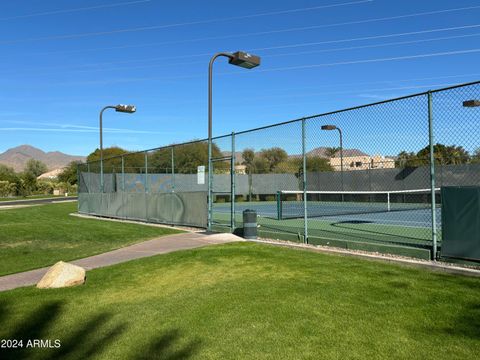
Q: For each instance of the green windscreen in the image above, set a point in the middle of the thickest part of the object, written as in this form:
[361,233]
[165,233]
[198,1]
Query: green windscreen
[461,222]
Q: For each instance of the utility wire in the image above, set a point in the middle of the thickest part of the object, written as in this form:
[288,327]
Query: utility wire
[165,26]
[65,11]
[304,28]
[301,67]
[79,67]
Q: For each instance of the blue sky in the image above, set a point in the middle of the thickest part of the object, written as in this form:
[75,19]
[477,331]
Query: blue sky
[62,61]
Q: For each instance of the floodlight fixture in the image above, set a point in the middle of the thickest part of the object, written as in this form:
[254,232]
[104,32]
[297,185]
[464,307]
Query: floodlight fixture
[244,59]
[329,127]
[125,108]
[471,103]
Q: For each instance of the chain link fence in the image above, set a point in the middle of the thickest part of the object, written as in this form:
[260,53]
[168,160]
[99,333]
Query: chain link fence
[364,178]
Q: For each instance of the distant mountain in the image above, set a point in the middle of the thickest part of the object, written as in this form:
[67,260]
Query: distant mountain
[321,152]
[17,157]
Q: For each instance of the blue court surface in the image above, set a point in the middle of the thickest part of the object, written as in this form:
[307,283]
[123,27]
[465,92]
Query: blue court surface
[420,218]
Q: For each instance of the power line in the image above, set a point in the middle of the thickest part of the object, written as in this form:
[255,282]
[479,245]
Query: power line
[301,67]
[296,53]
[199,22]
[74,10]
[379,45]
[297,45]
[408,57]
[269,32]
[367,38]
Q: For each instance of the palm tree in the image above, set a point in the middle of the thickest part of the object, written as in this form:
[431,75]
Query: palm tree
[330,152]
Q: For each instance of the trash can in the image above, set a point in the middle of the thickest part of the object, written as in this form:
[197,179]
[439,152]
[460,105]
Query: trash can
[250,224]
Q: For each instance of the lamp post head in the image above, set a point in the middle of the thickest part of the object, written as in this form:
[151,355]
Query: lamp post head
[329,127]
[471,103]
[125,108]
[245,60]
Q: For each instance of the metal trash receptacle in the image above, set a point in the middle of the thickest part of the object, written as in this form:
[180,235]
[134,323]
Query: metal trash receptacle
[250,224]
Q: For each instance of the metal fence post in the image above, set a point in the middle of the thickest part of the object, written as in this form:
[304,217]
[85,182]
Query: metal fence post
[232,186]
[146,186]
[209,190]
[304,156]
[432,176]
[123,188]
[89,177]
[173,170]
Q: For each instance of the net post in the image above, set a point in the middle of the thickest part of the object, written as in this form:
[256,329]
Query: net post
[388,200]
[279,205]
[232,186]
[432,176]
[304,156]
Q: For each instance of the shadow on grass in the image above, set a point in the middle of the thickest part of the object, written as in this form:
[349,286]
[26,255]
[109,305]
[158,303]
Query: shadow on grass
[92,336]
[467,324]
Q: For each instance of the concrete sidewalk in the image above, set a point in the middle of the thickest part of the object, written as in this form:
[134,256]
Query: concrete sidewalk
[161,245]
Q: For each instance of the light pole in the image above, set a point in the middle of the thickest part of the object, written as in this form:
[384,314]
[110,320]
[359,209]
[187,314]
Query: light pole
[129,109]
[238,58]
[333,127]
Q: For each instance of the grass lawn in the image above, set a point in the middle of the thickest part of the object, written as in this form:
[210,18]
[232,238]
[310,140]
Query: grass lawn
[39,236]
[34,197]
[250,301]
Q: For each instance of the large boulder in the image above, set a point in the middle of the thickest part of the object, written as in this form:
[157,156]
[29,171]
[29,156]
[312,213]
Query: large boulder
[62,274]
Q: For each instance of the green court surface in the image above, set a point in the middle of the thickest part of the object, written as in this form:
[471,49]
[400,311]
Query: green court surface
[396,230]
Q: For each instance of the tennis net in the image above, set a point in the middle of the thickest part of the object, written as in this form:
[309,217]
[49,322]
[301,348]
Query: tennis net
[291,205]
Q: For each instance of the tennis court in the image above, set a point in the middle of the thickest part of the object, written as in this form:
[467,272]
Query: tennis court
[417,218]
[357,222]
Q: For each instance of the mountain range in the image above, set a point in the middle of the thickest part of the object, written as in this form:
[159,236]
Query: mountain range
[17,157]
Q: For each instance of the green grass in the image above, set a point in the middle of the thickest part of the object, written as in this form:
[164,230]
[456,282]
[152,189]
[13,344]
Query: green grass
[250,301]
[39,236]
[34,197]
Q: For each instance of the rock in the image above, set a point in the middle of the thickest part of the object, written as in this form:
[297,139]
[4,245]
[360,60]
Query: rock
[62,274]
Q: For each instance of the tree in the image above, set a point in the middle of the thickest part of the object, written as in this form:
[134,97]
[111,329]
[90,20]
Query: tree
[445,154]
[248,156]
[69,173]
[112,161]
[313,164]
[330,152]
[107,153]
[407,159]
[475,158]
[35,168]
[273,157]
[8,174]
[187,158]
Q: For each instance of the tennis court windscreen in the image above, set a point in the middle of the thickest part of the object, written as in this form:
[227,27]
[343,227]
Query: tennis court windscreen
[290,204]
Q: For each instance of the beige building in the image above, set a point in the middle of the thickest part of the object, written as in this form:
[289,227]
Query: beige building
[362,163]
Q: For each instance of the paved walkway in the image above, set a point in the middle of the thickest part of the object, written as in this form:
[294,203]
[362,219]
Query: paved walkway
[162,245]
